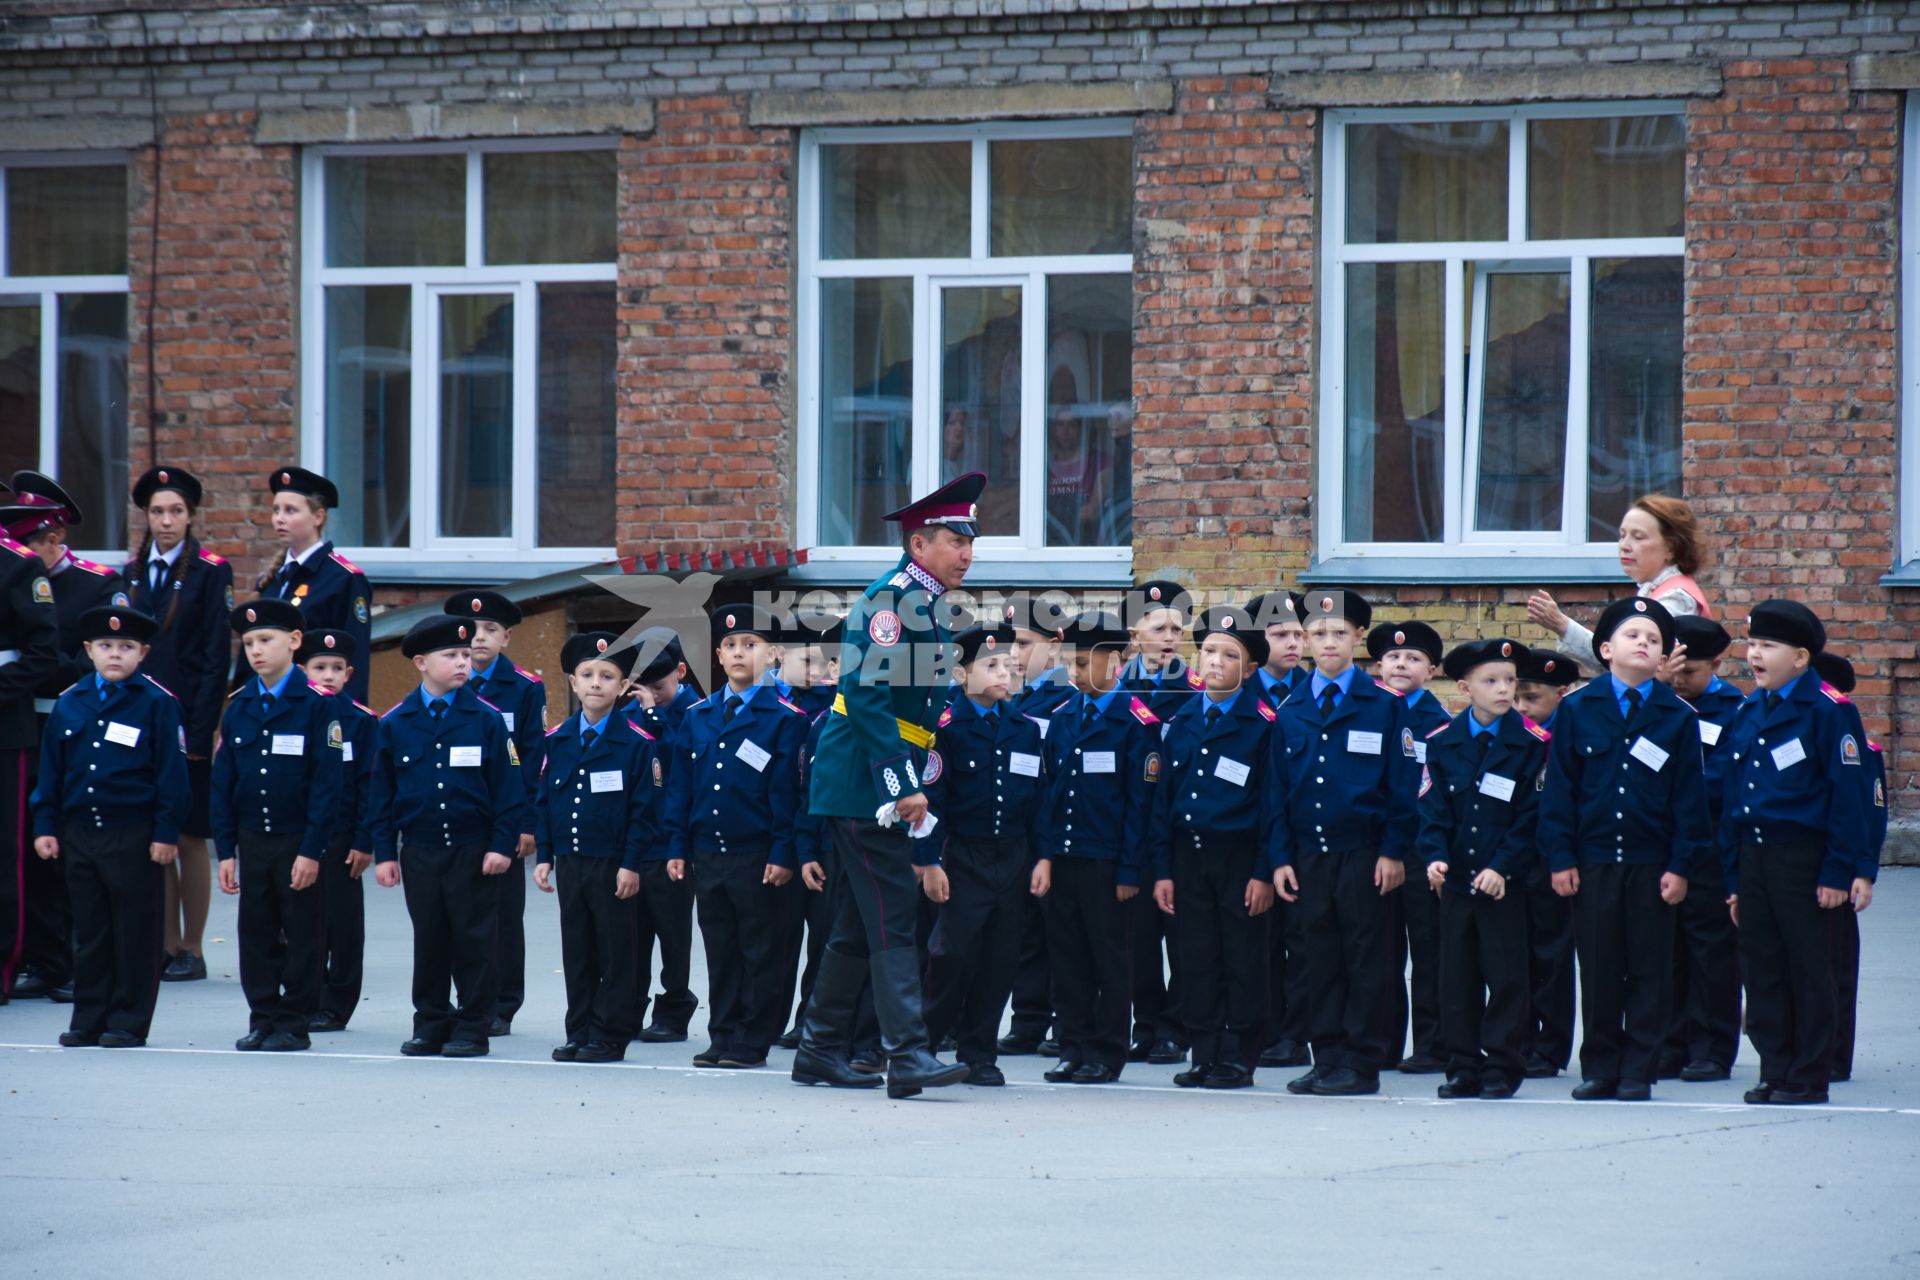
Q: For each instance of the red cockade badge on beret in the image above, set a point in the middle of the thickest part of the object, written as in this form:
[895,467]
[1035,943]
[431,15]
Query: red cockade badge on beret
[113,624]
[327,640]
[252,616]
[600,646]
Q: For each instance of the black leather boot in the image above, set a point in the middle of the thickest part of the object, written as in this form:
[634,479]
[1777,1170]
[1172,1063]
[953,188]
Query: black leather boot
[822,1056]
[911,1067]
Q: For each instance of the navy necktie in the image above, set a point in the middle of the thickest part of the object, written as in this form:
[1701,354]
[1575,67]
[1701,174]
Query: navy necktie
[1633,704]
[733,708]
[1328,696]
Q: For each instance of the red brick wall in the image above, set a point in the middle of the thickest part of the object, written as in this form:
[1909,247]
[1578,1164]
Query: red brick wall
[706,312]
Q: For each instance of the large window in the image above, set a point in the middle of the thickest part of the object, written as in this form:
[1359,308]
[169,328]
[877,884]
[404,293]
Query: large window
[63,334]
[461,334]
[1908,557]
[1501,293]
[966,305]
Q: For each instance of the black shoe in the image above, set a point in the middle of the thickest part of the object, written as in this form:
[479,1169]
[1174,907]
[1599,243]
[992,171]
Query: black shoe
[1784,1095]
[1345,1082]
[1494,1088]
[1229,1075]
[1701,1071]
[568,1052]
[62,994]
[658,1033]
[791,1038]
[601,1051]
[908,1073]
[499,1027]
[986,1075]
[419,1048]
[1460,1087]
[1669,1066]
[31,984]
[323,1021]
[1062,1073]
[1595,1090]
[464,1049]
[1759,1096]
[869,1062]
[1286,1053]
[1633,1091]
[79,1039]
[1195,1076]
[287,1042]
[254,1039]
[1016,1046]
[1095,1073]
[817,1066]
[1164,1053]
[1140,1051]
[1538,1068]
[1303,1085]
[708,1057]
[1422,1064]
[911,1065]
[184,966]
[736,1061]
[128,1040]
[1048,1048]
[1840,1077]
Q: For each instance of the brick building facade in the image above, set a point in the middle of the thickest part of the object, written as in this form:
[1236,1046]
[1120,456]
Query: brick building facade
[1672,233]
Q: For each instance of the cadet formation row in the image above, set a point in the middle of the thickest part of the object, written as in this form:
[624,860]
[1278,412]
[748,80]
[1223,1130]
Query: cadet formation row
[1165,835]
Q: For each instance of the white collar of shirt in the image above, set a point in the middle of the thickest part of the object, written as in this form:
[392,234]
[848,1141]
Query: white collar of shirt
[306,555]
[1659,579]
[156,556]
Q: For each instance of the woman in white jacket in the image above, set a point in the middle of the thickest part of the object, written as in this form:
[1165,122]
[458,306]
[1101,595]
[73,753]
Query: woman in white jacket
[1661,548]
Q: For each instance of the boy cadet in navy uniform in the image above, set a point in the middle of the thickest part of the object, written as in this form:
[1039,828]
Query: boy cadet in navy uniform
[1703,1031]
[1407,655]
[1793,836]
[1103,759]
[1208,846]
[449,807]
[1343,827]
[1838,674]
[1622,822]
[666,905]
[29,649]
[985,780]
[733,788]
[112,792]
[598,811]
[813,662]
[1042,686]
[328,588]
[1282,673]
[327,659]
[276,797]
[1479,799]
[1545,678]
[521,699]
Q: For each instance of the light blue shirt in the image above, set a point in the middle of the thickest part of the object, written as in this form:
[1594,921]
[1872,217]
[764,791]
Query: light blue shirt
[1620,688]
[427,700]
[594,726]
[277,689]
[1342,682]
[1475,728]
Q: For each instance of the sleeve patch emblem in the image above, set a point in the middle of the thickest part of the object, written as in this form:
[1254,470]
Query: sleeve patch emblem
[1849,750]
[359,608]
[884,628]
[42,591]
[934,767]
[1152,770]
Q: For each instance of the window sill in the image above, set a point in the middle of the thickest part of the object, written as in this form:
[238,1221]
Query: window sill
[1906,575]
[985,573]
[1493,570]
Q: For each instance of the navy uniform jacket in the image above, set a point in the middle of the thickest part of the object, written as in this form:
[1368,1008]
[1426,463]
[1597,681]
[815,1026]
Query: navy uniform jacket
[1479,803]
[1101,775]
[521,699]
[332,593]
[604,801]
[1215,793]
[29,641]
[664,722]
[1279,691]
[1166,693]
[735,789]
[1346,784]
[115,762]
[1604,804]
[811,839]
[458,785]
[986,775]
[193,650]
[353,815]
[1426,715]
[279,771]
[1799,771]
[79,585]
[1038,699]
[1715,707]
[1869,868]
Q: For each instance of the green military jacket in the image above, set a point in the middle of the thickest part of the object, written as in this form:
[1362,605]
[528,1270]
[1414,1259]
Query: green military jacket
[896,664]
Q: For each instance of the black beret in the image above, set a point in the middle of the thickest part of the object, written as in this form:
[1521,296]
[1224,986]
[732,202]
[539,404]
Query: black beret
[1478,653]
[326,643]
[1096,627]
[1388,636]
[1234,621]
[311,483]
[743,619]
[664,645]
[265,614]
[1703,637]
[1157,593]
[490,605]
[115,622]
[1275,608]
[1339,603]
[1549,667]
[1620,610]
[980,641]
[1026,612]
[435,632]
[811,628]
[179,479]
[600,646]
[1834,670]
[1789,622]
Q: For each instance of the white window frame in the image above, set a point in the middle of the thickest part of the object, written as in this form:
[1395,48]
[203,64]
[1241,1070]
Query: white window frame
[1908,558]
[427,285]
[1462,402]
[49,289]
[929,275]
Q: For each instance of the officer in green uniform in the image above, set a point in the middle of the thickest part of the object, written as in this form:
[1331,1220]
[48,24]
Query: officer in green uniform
[895,665]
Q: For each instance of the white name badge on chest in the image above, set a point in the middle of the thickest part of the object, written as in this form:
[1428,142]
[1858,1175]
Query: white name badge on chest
[464,757]
[1097,762]
[1419,753]
[754,756]
[604,780]
[346,752]
[1709,733]
[1232,770]
[1788,754]
[1361,743]
[124,735]
[508,717]
[289,744]
[1649,755]
[1496,786]
[1027,766]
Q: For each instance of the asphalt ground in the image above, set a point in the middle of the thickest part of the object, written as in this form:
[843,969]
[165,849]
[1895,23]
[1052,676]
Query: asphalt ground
[189,1159]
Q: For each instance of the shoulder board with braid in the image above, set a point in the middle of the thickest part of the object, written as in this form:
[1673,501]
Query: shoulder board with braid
[1537,731]
[799,711]
[1142,712]
[1266,712]
[1434,733]
[98,570]
[1834,694]
[946,718]
[345,563]
[212,558]
[637,729]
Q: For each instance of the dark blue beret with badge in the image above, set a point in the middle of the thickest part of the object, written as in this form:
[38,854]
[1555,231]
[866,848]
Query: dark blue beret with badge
[1617,613]
[265,614]
[490,606]
[114,622]
[1478,653]
[1236,623]
[436,632]
[1787,622]
[1339,604]
[600,646]
[326,642]
[311,483]
[1418,636]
